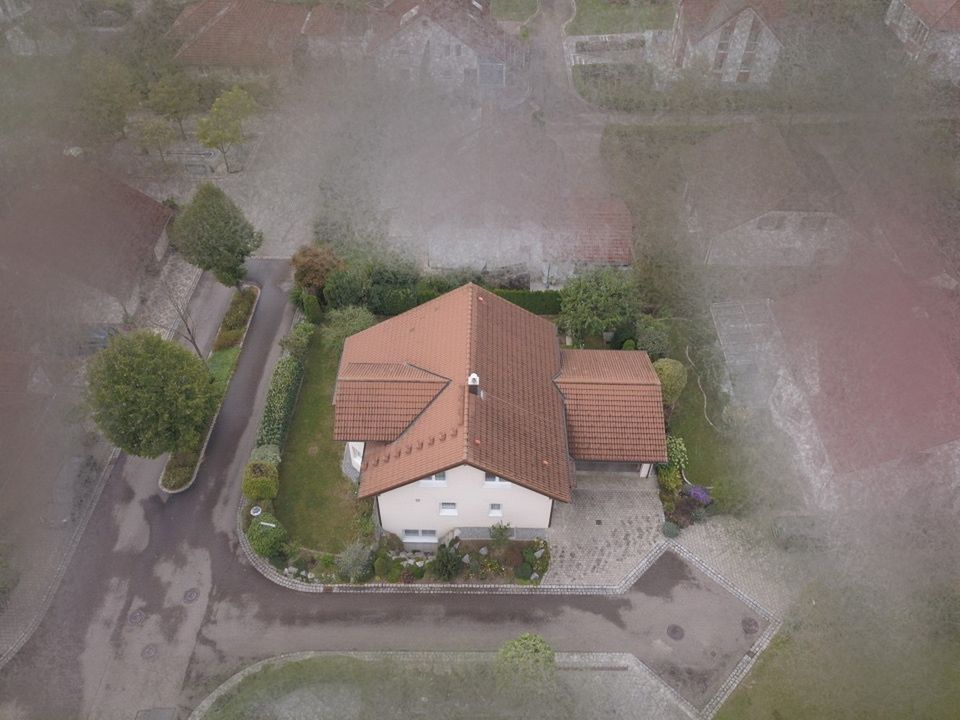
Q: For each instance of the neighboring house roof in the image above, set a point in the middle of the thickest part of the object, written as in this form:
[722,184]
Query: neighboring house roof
[745,171]
[477,32]
[702,17]
[83,224]
[614,406]
[592,231]
[868,353]
[513,428]
[249,33]
[937,14]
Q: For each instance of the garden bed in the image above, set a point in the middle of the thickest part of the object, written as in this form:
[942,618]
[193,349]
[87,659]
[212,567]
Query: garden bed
[181,468]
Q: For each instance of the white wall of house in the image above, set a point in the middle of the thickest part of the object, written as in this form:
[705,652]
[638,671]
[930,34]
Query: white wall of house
[781,239]
[420,505]
[745,50]
[424,46]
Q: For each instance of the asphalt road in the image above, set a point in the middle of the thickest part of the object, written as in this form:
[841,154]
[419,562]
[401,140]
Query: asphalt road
[125,631]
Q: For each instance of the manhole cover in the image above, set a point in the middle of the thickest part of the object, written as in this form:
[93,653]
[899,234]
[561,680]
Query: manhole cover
[599,522]
[136,617]
[149,652]
[191,595]
[750,625]
[674,632]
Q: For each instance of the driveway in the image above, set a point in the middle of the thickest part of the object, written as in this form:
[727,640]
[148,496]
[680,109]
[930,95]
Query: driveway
[604,536]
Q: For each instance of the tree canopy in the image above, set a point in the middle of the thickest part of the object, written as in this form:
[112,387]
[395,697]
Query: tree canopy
[149,395]
[528,658]
[595,302]
[223,126]
[673,379]
[174,96]
[108,94]
[214,235]
[312,266]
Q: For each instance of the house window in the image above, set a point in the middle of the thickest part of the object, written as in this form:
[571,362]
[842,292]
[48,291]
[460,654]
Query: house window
[645,470]
[771,222]
[414,535]
[356,454]
[491,480]
[744,75]
[813,223]
[496,510]
[723,47]
[438,480]
[448,508]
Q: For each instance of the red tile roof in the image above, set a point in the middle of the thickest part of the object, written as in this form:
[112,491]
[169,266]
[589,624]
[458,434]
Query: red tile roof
[513,428]
[83,224]
[868,353]
[242,33]
[614,406]
[592,231]
[937,14]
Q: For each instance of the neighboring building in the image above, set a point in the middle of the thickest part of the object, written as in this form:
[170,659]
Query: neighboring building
[79,228]
[737,40]
[757,197]
[465,412]
[445,41]
[930,30]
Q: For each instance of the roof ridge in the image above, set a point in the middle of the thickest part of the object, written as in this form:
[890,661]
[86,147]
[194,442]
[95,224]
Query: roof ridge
[471,360]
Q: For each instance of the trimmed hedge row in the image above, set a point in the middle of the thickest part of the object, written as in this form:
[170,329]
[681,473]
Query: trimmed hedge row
[539,302]
[281,399]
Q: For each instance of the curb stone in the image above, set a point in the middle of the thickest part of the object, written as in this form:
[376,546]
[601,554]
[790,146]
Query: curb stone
[213,422]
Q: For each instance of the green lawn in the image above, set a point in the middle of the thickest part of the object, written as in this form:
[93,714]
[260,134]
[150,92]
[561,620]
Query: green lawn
[221,365]
[600,17]
[316,503]
[518,10]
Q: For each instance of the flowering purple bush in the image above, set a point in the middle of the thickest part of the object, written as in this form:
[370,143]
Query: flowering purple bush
[700,494]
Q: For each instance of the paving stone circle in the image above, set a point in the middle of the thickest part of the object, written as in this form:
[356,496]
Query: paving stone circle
[149,652]
[191,595]
[675,632]
[136,617]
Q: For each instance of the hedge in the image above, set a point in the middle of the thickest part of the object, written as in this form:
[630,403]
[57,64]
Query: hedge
[266,536]
[261,480]
[281,399]
[539,302]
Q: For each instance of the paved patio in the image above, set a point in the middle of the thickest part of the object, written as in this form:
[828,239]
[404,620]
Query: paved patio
[604,536]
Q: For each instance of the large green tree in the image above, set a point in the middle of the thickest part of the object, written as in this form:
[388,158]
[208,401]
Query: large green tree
[107,94]
[149,395]
[175,97]
[222,128]
[597,301]
[213,234]
[156,135]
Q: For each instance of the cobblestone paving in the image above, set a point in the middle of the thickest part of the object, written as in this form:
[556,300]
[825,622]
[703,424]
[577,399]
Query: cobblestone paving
[584,551]
[171,287]
[746,557]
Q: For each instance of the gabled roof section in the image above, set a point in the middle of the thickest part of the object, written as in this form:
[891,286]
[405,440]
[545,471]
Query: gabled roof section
[614,406]
[743,172]
[702,17]
[514,425]
[937,14]
[83,224]
[378,401]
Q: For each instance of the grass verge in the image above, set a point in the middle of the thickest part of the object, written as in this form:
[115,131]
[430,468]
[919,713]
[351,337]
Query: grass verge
[601,17]
[316,503]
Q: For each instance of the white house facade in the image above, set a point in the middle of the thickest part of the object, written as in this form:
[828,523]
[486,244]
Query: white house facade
[930,32]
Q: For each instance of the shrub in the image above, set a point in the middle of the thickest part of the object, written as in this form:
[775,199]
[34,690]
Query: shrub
[344,322]
[311,308]
[347,286]
[354,562]
[524,570]
[297,342]
[676,452]
[267,536]
[527,658]
[425,293]
[382,567]
[597,301]
[239,310]
[391,300]
[541,564]
[261,481]
[227,339]
[629,345]
[447,563]
[669,479]
[539,302]
[312,265]
[673,379]
[281,398]
[671,529]
[266,453]
[700,494]
[652,337]
[500,534]
[624,331]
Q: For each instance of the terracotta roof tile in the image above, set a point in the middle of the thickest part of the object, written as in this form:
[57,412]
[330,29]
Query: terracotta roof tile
[514,427]
[614,406]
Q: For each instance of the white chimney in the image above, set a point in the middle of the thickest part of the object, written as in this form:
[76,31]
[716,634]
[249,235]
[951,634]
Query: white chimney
[473,383]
